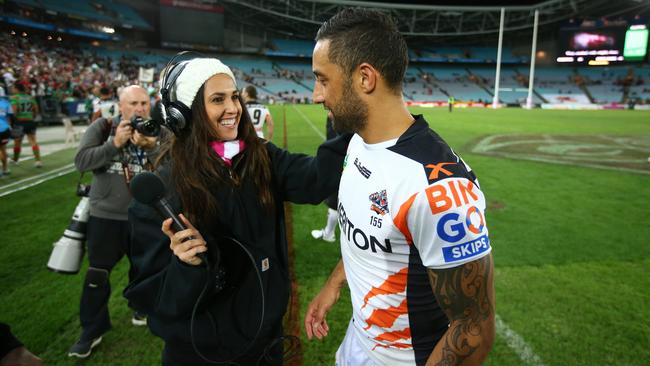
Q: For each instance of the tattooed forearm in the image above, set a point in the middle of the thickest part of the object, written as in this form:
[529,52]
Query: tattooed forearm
[466,295]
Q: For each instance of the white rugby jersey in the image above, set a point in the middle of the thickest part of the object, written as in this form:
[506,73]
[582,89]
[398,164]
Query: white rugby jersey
[258,113]
[108,108]
[405,205]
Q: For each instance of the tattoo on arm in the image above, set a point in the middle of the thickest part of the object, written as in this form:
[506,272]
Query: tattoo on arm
[465,294]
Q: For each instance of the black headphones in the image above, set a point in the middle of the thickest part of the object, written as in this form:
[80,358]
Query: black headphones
[177,114]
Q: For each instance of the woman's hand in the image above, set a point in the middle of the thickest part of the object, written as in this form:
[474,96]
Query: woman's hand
[185,244]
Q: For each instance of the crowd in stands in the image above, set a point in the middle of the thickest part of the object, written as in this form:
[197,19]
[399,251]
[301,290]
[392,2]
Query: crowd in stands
[62,73]
[58,71]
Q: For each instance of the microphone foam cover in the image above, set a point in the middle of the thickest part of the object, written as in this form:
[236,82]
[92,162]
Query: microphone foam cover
[146,188]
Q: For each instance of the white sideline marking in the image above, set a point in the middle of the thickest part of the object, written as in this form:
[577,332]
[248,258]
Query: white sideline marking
[517,344]
[47,176]
[309,121]
[36,176]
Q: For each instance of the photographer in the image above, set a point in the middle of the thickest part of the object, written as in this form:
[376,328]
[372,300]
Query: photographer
[114,150]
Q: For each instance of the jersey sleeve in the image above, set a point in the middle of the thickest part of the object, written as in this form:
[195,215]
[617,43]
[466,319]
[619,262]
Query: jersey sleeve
[446,222]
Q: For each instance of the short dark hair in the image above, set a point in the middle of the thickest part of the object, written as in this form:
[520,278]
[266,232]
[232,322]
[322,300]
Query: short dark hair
[359,35]
[251,92]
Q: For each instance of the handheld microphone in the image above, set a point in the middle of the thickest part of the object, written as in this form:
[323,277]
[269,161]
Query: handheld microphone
[148,189]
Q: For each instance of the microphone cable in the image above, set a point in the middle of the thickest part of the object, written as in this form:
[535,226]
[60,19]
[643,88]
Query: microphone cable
[262,312]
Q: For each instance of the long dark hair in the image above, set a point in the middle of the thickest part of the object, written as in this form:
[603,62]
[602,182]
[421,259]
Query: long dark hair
[196,168]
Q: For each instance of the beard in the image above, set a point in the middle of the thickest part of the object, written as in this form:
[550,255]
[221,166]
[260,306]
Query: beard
[350,114]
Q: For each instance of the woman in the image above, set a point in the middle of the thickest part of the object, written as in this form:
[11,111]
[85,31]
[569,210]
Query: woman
[228,183]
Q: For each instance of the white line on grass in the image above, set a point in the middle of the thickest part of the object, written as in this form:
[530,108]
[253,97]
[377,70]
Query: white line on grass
[517,344]
[49,176]
[36,176]
[309,121]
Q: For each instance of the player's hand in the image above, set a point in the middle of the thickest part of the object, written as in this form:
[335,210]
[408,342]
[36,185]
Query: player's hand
[145,142]
[315,318]
[185,244]
[123,133]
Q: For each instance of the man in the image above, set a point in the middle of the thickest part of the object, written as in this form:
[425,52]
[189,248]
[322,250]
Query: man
[328,233]
[260,115]
[25,112]
[451,101]
[6,117]
[114,152]
[415,250]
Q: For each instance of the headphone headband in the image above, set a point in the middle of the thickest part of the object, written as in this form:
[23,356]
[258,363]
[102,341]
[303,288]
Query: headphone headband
[177,114]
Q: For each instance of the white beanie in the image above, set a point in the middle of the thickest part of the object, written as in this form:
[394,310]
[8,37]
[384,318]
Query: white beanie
[196,72]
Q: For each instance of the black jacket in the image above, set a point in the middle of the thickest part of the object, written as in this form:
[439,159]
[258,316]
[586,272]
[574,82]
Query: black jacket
[167,289]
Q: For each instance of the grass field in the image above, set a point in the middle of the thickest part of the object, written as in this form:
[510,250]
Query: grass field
[570,244]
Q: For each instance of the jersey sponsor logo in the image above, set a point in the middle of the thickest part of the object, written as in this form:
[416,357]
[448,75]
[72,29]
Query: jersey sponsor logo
[466,250]
[362,169]
[379,202]
[451,226]
[436,169]
[357,236]
[449,193]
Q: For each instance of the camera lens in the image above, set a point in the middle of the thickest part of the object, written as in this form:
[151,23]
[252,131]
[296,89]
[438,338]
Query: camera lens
[147,127]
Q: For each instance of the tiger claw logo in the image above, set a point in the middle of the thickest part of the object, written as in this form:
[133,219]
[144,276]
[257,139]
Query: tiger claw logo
[379,202]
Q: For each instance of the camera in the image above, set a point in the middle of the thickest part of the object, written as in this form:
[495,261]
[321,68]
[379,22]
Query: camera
[68,251]
[147,127]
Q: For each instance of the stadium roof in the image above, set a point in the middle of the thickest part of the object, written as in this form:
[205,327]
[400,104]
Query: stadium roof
[420,19]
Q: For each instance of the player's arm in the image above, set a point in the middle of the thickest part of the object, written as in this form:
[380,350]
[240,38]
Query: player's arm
[269,126]
[315,317]
[35,106]
[466,295]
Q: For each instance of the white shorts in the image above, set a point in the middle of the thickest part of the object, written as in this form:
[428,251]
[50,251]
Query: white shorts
[350,352]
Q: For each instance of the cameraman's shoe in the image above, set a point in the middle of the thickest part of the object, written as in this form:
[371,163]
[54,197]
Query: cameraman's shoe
[320,234]
[83,349]
[138,319]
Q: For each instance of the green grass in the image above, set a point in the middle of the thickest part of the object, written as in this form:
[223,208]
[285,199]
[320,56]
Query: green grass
[570,246]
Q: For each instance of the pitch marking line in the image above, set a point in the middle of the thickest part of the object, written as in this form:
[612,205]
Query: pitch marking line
[517,344]
[309,122]
[45,177]
[487,146]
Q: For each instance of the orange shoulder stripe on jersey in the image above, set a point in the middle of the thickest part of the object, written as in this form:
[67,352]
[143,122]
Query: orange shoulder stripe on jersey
[384,318]
[394,284]
[400,219]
